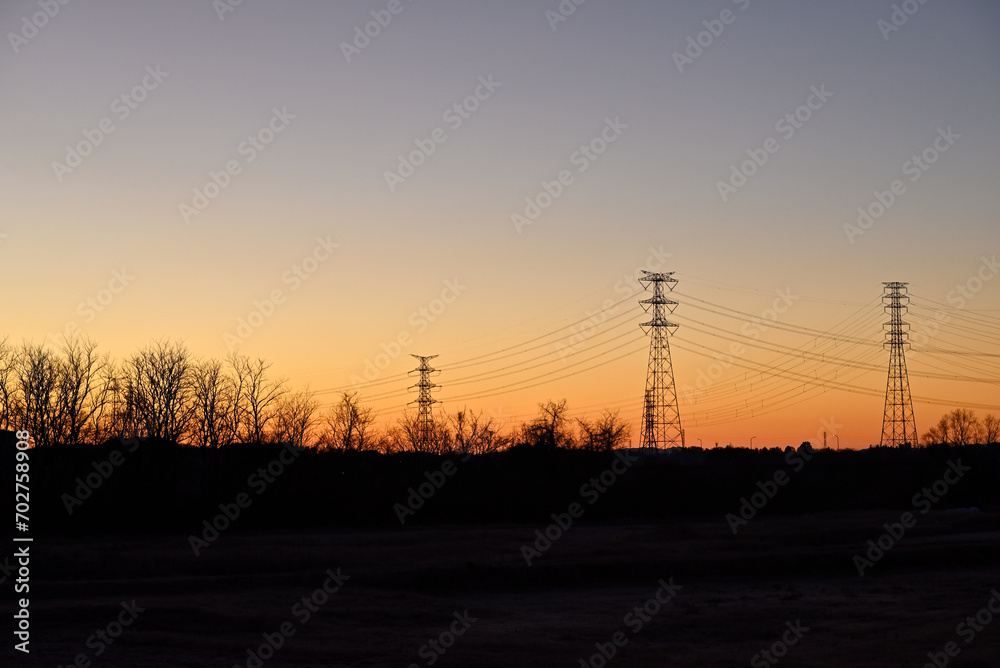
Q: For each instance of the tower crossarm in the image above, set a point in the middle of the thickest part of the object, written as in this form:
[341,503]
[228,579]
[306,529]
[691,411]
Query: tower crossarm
[659,321]
[658,277]
[658,299]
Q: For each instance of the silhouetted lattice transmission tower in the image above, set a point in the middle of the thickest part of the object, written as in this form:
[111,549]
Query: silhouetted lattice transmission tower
[424,400]
[661,424]
[898,425]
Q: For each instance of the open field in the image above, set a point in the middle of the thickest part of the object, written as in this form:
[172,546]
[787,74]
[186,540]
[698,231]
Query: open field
[403,586]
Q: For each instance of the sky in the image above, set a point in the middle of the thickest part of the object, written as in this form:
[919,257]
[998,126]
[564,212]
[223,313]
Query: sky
[336,186]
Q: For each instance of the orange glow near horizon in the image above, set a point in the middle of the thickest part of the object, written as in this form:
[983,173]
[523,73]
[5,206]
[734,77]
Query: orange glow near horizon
[511,249]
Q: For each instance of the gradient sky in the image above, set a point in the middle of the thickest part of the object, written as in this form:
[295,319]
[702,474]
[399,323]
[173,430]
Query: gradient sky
[65,233]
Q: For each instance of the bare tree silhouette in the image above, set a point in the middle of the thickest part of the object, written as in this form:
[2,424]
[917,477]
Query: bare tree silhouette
[255,397]
[8,385]
[295,417]
[991,428]
[158,388]
[213,395]
[38,376]
[104,418]
[605,433]
[472,434]
[962,427]
[550,429]
[349,425]
[406,435]
[79,394]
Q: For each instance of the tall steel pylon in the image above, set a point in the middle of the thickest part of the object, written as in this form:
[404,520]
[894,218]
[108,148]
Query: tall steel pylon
[898,425]
[424,400]
[661,425]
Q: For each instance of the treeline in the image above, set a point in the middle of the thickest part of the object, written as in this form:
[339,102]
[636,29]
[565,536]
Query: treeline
[154,486]
[962,427]
[76,395]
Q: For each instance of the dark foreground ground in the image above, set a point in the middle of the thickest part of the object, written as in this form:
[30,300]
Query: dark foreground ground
[737,595]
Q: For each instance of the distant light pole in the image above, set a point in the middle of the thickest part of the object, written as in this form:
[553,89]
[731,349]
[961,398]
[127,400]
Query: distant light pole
[699,442]
[751,441]
[838,440]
